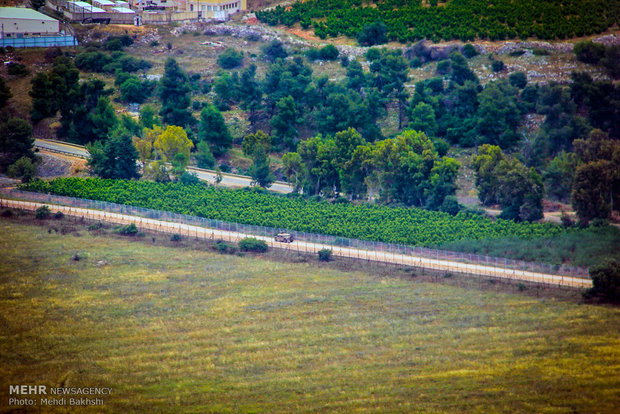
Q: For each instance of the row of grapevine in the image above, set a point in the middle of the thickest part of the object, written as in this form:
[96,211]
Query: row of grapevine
[411,226]
[456,19]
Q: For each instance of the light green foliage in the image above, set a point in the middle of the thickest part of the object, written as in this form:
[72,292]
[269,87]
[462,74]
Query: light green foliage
[423,119]
[173,141]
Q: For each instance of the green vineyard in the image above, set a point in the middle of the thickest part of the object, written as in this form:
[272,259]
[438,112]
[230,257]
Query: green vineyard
[410,226]
[412,20]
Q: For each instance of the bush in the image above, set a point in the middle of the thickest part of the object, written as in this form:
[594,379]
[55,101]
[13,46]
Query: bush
[469,51]
[605,281]
[250,244]
[443,67]
[540,52]
[222,247]
[373,34]
[589,52]
[518,79]
[497,66]
[325,255]
[42,212]
[23,169]
[175,237]
[113,44]
[230,58]
[95,226]
[59,215]
[128,230]
[274,50]
[17,69]
[7,213]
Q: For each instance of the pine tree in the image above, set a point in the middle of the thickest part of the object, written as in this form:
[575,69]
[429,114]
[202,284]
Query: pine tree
[213,130]
[174,95]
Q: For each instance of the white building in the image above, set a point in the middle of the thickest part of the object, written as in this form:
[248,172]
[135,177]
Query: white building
[17,22]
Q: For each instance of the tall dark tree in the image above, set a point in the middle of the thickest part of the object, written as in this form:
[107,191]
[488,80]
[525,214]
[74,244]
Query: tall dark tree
[251,98]
[15,141]
[116,158]
[174,95]
[213,130]
[285,124]
[5,93]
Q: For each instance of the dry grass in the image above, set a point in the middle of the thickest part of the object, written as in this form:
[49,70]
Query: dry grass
[176,330]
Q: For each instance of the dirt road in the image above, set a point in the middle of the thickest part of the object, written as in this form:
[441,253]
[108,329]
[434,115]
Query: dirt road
[310,247]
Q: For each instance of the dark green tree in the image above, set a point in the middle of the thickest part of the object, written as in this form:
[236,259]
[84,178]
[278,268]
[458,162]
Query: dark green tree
[605,281]
[5,93]
[174,95]
[373,34]
[285,123]
[230,58]
[251,98]
[116,158]
[16,141]
[213,130]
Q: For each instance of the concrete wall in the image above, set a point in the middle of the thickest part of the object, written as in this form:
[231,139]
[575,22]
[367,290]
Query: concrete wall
[12,26]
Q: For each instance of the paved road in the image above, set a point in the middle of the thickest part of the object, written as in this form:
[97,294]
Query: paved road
[309,247]
[228,180]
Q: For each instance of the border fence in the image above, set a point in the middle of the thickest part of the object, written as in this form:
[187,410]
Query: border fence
[335,242]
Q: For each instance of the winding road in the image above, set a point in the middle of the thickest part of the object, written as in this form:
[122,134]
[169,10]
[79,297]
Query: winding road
[302,246]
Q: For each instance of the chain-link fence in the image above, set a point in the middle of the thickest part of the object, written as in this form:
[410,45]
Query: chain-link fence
[319,239]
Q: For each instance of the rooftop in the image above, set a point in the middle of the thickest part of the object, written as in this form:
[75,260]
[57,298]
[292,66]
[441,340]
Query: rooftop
[23,13]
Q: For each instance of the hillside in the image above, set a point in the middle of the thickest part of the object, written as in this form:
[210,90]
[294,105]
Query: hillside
[173,329]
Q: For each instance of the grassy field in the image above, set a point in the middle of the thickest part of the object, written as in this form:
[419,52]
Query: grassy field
[180,330]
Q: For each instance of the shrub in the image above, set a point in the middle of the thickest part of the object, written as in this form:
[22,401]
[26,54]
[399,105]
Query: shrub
[518,79]
[7,213]
[443,67]
[114,44]
[23,169]
[175,237]
[42,212]
[95,226]
[325,255]
[605,281]
[17,69]
[589,52]
[329,52]
[128,230]
[59,215]
[469,51]
[274,50]
[540,52]
[230,58]
[250,244]
[497,66]
[222,247]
